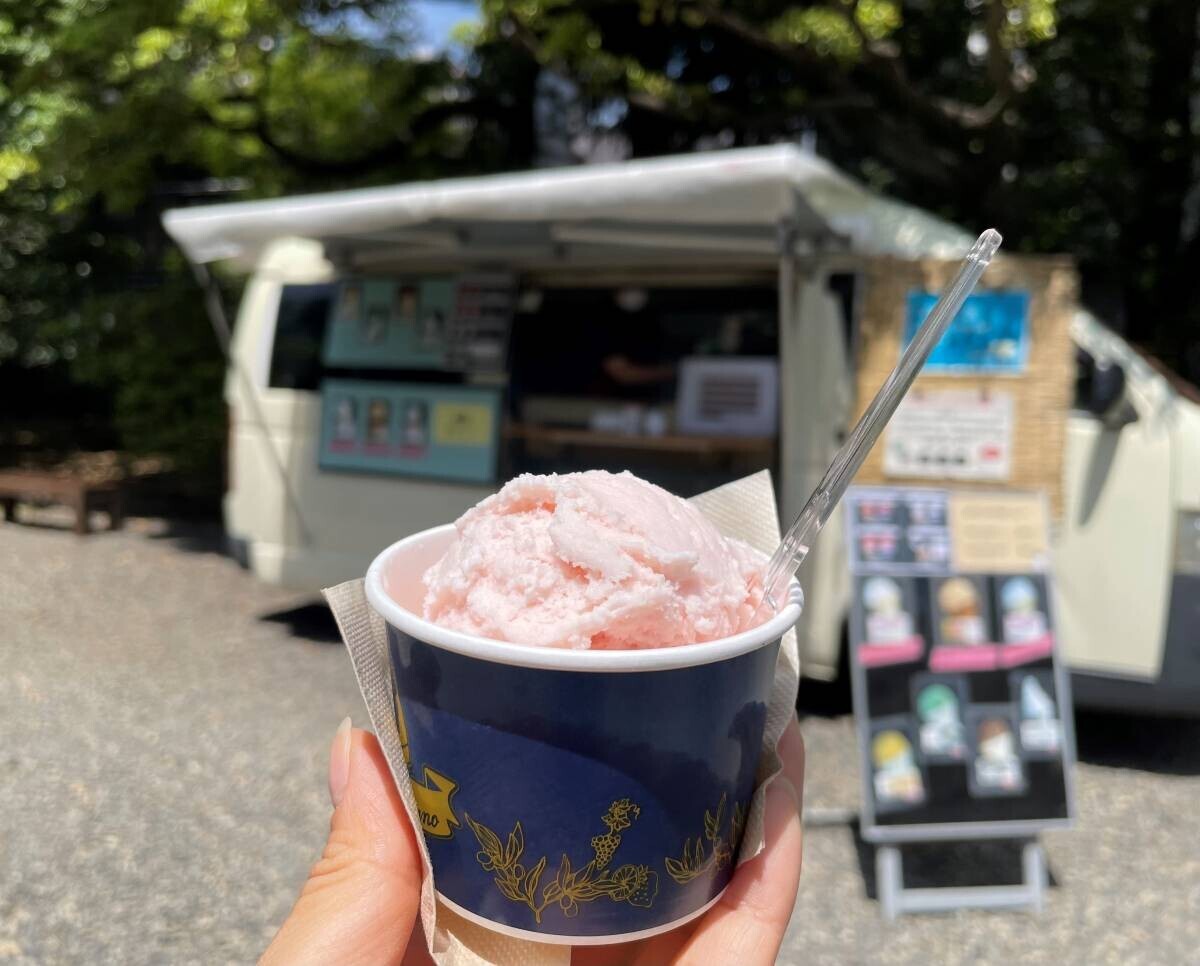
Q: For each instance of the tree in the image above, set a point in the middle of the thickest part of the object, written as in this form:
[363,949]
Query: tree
[1068,123]
[110,112]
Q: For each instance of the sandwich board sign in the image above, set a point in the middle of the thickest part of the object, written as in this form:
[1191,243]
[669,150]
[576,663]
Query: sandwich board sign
[962,707]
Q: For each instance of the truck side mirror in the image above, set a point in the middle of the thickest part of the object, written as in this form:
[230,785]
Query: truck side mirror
[1100,390]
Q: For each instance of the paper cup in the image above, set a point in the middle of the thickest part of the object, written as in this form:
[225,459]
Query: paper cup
[574,796]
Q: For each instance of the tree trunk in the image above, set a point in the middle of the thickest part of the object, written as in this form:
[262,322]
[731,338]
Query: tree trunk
[1164,277]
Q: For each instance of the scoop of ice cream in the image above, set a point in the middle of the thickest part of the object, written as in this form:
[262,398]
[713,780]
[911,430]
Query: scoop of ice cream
[592,560]
[1019,595]
[882,596]
[956,596]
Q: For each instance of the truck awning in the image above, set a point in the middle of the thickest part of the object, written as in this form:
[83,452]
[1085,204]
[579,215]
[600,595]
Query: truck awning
[737,197]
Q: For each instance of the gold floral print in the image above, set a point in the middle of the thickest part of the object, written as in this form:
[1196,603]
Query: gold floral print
[634,884]
[696,859]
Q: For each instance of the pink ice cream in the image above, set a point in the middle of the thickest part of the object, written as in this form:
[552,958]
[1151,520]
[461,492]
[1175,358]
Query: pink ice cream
[592,560]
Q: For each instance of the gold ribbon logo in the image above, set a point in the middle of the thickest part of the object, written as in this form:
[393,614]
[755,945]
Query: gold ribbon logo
[432,791]
[433,804]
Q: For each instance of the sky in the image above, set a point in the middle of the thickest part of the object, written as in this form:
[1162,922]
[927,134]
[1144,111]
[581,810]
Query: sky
[435,18]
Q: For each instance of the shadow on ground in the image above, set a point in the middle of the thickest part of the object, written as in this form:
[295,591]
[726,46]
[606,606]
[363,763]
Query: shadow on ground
[194,536]
[38,518]
[313,622]
[825,699]
[941,865]
[1169,746]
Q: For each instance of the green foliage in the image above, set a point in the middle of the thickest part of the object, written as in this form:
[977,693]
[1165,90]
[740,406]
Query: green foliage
[112,111]
[1069,123]
[829,32]
[165,370]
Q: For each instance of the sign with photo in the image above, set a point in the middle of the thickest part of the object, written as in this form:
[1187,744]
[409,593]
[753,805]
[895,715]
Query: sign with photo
[955,434]
[989,335]
[939,700]
[996,761]
[410,429]
[896,778]
[1040,723]
[962,708]
[457,323]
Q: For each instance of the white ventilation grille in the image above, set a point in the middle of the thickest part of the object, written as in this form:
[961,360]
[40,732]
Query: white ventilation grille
[723,396]
[728,396]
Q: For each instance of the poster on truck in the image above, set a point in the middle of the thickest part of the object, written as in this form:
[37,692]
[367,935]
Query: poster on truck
[956,434]
[990,334]
[453,323]
[410,429]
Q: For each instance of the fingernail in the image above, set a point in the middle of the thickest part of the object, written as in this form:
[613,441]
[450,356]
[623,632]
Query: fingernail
[339,762]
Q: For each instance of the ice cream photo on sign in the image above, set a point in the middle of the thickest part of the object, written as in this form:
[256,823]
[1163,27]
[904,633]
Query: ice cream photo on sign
[887,621]
[891,637]
[1024,622]
[939,710]
[345,429]
[379,422]
[997,768]
[1041,729]
[880,510]
[896,779]
[350,302]
[962,621]
[879,544]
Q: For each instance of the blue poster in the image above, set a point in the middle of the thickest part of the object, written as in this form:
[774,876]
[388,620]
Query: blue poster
[410,429]
[398,323]
[990,334]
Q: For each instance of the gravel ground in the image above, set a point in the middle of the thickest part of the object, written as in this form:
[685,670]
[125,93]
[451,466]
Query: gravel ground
[164,722]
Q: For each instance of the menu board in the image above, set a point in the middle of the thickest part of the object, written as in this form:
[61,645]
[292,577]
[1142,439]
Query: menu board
[963,713]
[990,334]
[410,429]
[456,323]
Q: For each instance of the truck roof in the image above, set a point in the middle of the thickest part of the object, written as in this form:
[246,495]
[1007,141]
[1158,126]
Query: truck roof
[735,199]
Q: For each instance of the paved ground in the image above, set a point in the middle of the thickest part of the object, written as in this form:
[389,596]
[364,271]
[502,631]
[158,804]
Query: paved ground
[164,721]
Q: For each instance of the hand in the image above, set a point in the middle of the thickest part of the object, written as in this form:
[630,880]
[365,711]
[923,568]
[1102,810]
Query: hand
[623,370]
[361,900]
[360,903]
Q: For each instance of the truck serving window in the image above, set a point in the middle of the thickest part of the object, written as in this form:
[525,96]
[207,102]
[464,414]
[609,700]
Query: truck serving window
[299,334]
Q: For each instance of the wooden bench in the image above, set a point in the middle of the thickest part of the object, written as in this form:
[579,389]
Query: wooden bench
[39,486]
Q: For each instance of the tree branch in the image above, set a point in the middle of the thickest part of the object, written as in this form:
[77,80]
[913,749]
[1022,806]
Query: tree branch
[525,38]
[999,63]
[881,63]
[393,150]
[756,37]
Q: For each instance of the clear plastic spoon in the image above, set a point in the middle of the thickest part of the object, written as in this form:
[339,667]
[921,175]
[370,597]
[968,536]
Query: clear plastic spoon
[794,548]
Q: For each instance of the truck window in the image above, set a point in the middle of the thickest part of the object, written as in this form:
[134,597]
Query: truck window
[299,334]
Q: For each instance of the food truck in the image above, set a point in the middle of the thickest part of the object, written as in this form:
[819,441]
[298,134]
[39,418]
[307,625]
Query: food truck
[401,351]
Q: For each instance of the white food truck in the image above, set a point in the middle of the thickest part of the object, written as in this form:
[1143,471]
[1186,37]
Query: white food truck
[400,351]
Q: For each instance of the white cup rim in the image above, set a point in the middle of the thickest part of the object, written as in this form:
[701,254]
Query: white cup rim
[567,659]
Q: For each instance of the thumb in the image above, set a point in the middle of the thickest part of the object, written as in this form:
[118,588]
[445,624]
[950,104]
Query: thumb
[361,898]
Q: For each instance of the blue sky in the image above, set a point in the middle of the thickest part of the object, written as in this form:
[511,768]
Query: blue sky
[435,18]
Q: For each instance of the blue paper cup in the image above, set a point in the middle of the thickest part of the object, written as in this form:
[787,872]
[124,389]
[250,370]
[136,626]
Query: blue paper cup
[566,796]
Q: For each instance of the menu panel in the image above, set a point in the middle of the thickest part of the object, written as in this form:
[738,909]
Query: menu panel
[962,710]
[410,429]
[456,323]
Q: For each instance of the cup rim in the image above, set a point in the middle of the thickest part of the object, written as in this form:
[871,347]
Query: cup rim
[567,659]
